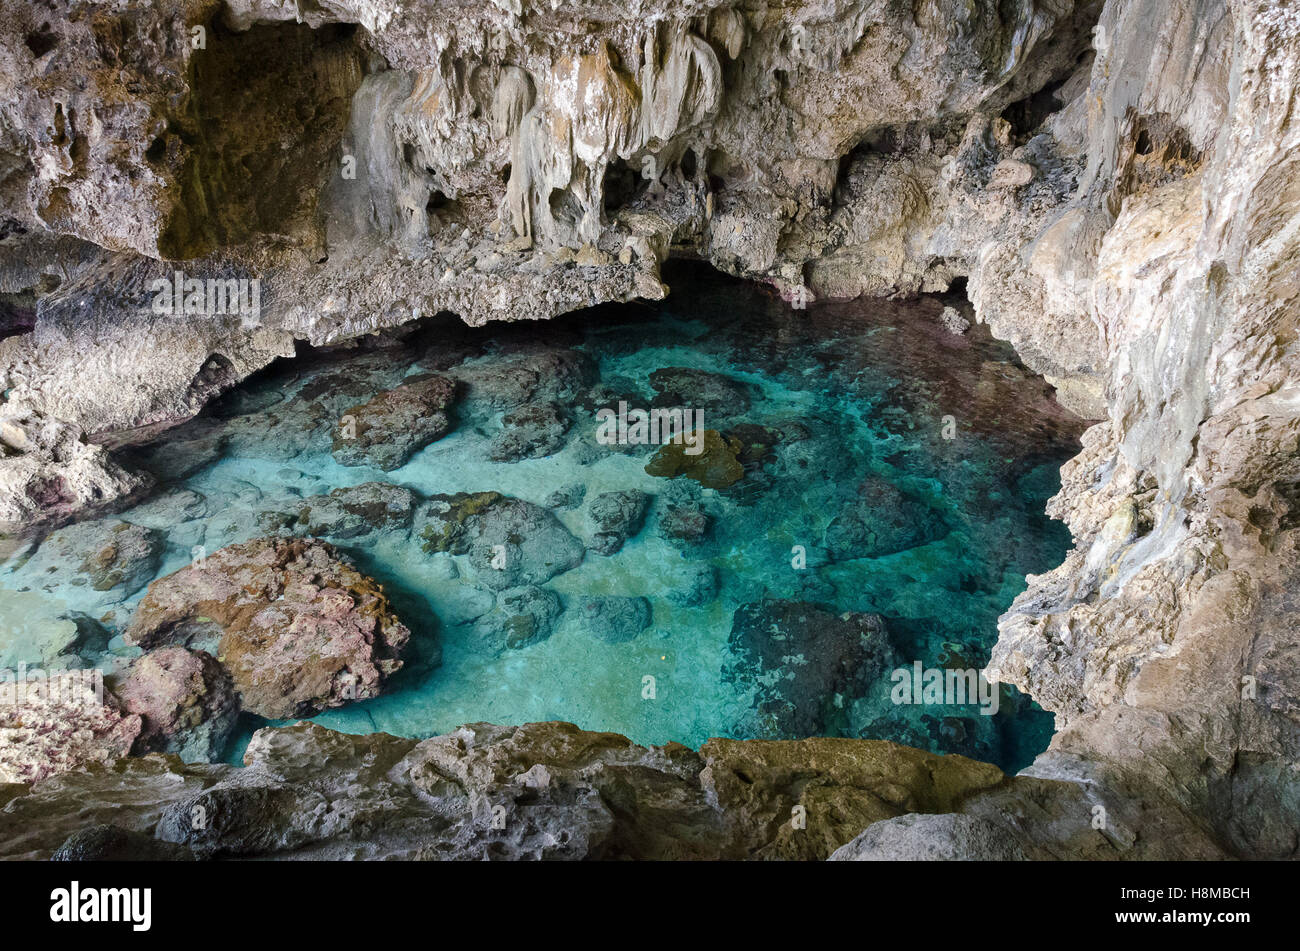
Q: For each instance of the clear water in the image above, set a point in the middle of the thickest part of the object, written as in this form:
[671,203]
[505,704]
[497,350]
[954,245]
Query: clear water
[872,383]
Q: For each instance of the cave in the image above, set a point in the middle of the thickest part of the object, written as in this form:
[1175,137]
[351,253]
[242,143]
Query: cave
[910,473]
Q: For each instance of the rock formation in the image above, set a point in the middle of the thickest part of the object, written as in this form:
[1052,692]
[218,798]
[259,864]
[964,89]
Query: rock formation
[1113,184]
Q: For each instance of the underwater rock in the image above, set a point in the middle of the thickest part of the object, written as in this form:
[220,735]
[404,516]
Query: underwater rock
[185,700]
[881,520]
[530,432]
[545,374]
[111,556]
[300,629]
[514,543]
[614,518]
[388,429]
[717,395]
[613,619]
[522,616]
[443,523]
[805,663]
[353,511]
[715,467]
[566,497]
[694,583]
[63,722]
[684,521]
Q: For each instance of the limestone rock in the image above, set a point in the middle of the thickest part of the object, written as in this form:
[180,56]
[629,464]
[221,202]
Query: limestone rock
[388,429]
[612,618]
[803,663]
[299,629]
[185,700]
[62,722]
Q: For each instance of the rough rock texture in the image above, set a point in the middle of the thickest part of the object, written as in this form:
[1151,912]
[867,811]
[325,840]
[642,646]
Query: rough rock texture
[298,628]
[612,618]
[1115,181]
[58,724]
[545,790]
[801,660]
[387,430]
[614,517]
[185,700]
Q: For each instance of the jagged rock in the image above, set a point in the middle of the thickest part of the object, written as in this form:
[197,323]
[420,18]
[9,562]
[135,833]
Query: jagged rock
[715,466]
[50,474]
[717,395]
[698,584]
[568,497]
[613,619]
[953,321]
[356,510]
[522,616]
[530,432]
[185,700]
[60,722]
[110,843]
[881,520]
[299,629]
[942,838]
[804,663]
[513,543]
[387,430]
[615,517]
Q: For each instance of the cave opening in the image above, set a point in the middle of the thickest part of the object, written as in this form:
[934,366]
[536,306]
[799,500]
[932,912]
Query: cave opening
[875,504]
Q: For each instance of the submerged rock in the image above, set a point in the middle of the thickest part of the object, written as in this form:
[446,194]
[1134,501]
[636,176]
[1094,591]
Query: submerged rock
[300,630]
[512,542]
[613,619]
[185,700]
[544,374]
[357,510]
[112,556]
[804,663]
[881,520]
[717,395]
[388,429]
[567,497]
[443,523]
[716,466]
[530,432]
[614,518]
[522,616]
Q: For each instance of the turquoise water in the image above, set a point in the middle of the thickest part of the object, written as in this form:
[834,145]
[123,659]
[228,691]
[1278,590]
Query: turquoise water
[872,391]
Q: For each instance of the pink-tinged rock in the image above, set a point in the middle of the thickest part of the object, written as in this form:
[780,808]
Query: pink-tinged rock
[297,627]
[58,725]
[186,702]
